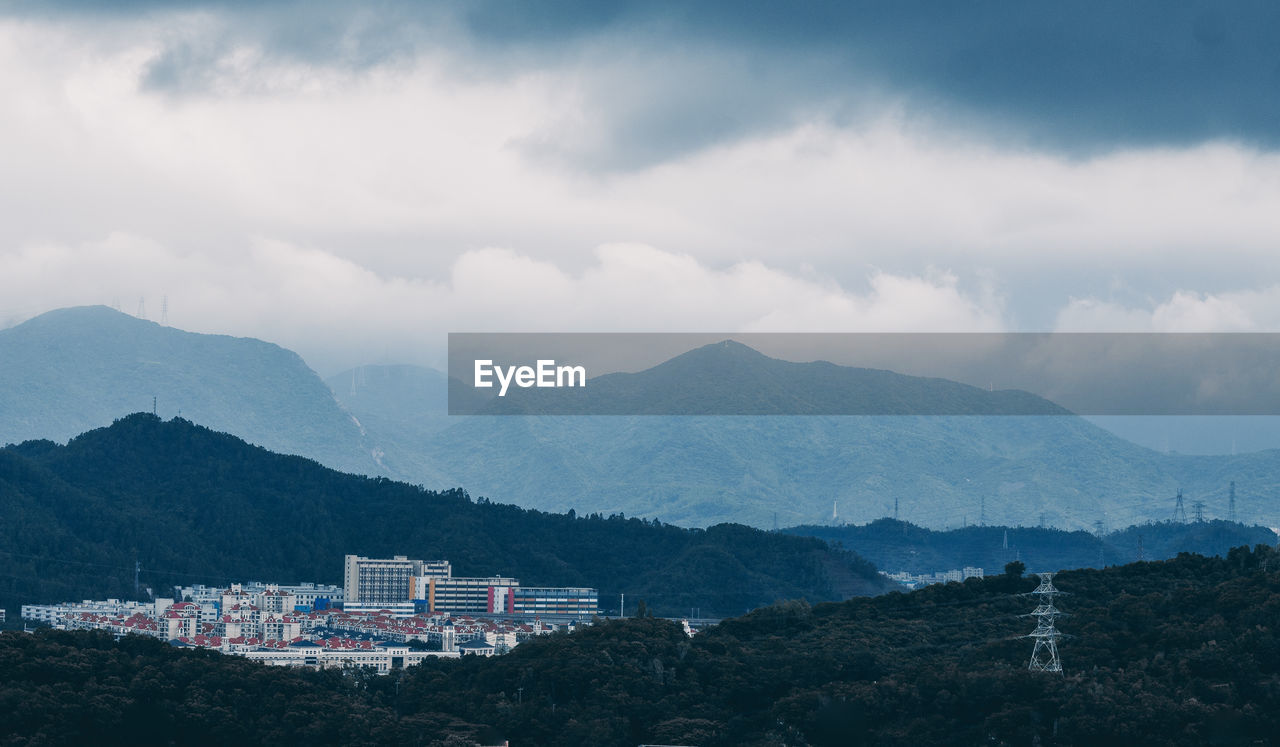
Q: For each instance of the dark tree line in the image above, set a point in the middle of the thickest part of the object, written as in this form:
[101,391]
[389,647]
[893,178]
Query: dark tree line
[1176,652]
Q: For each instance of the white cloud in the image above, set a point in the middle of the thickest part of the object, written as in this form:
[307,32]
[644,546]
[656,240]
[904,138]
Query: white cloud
[1183,311]
[337,313]
[350,212]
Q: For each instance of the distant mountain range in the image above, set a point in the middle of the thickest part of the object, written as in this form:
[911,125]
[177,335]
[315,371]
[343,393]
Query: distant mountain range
[900,546]
[79,368]
[939,470]
[729,378]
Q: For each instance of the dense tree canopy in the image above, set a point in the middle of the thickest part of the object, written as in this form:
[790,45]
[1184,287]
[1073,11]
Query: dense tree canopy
[1175,652]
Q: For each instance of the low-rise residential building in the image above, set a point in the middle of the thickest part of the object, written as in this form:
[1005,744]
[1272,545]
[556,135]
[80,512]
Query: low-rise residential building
[916,580]
[530,600]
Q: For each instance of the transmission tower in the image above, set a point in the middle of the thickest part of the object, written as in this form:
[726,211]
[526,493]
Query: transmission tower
[142,307]
[1198,507]
[895,505]
[1231,502]
[1044,657]
[164,311]
[982,513]
[1179,510]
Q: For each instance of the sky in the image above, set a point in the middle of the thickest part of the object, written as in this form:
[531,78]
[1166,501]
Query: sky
[355,182]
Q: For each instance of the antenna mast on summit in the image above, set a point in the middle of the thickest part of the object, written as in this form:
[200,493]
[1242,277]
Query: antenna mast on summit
[164,311]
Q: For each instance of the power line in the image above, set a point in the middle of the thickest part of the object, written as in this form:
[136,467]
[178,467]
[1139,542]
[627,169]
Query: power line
[1044,657]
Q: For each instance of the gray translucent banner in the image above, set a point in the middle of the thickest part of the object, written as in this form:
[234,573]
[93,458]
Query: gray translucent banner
[863,374]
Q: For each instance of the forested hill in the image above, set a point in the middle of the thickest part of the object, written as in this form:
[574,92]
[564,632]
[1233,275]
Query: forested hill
[1180,652]
[900,546]
[193,505]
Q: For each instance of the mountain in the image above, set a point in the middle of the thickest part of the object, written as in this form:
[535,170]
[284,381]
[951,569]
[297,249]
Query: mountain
[74,369]
[900,546]
[194,505]
[402,409]
[1181,652]
[729,378]
[942,471]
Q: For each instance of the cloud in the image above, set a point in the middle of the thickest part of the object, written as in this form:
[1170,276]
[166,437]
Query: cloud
[671,78]
[337,313]
[352,210]
[1184,311]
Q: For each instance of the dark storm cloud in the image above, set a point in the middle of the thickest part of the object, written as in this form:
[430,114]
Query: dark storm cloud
[1081,74]
[1077,77]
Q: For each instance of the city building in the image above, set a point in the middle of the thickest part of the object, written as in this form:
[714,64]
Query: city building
[384,605]
[464,595]
[916,580]
[385,583]
[403,587]
[551,601]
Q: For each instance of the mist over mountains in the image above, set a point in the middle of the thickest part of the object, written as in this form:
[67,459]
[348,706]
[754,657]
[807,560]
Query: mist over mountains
[939,471]
[81,368]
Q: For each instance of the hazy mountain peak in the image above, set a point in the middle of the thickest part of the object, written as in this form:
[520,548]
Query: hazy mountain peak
[79,368]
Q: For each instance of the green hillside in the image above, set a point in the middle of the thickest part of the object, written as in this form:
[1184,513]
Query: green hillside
[194,505]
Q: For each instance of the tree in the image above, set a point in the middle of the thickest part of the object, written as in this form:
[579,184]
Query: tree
[1015,568]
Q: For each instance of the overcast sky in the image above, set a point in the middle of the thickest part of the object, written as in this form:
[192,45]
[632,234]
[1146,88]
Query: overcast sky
[355,183]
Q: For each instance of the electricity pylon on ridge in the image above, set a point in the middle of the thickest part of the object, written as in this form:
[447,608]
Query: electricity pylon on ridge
[1044,656]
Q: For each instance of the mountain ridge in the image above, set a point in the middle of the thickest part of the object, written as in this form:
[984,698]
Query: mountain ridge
[80,368]
[196,505]
[729,378]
